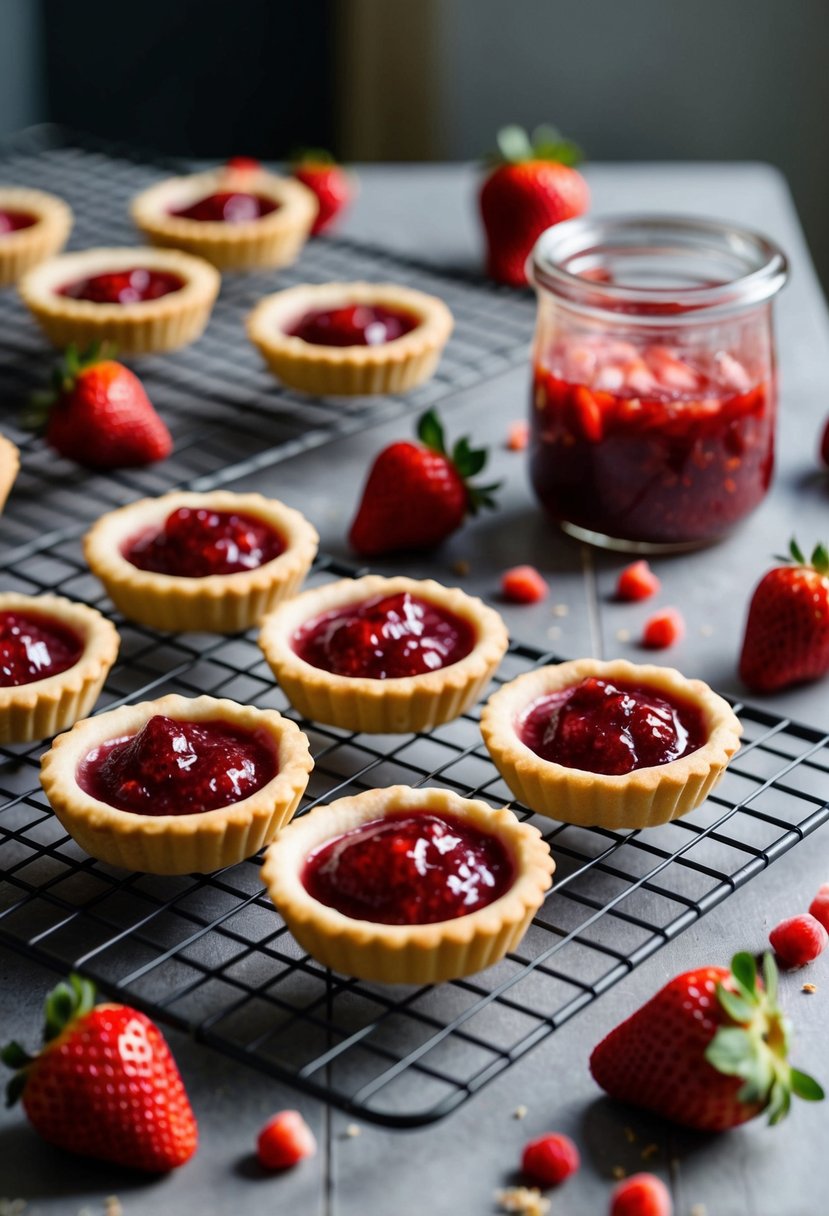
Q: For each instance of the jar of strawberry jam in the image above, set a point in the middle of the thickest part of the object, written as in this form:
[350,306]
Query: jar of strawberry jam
[654,389]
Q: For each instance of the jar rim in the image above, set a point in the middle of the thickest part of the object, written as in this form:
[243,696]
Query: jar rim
[766,266]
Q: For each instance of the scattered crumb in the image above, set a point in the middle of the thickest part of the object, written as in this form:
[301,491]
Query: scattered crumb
[352,1130]
[630,1135]
[699,1209]
[112,1206]
[706,630]
[554,633]
[810,988]
[560,610]
[619,1172]
[520,1112]
[518,436]
[622,635]
[526,1200]
[12,1207]
[650,1150]
[461,567]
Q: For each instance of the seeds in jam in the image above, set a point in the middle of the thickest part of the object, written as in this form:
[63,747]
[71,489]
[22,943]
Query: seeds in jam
[34,647]
[195,542]
[178,768]
[130,286]
[385,638]
[353,325]
[228,207]
[610,728]
[409,868]
[13,221]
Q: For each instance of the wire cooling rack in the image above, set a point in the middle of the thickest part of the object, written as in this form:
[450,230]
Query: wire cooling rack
[227,414]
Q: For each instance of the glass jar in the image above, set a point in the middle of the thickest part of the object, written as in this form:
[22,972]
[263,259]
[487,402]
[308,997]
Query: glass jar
[654,388]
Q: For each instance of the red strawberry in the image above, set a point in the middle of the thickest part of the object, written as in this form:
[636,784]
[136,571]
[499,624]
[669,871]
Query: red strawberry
[798,940]
[333,186]
[98,414]
[550,1159]
[709,1051]
[523,585]
[637,582]
[104,1084]
[641,1195]
[663,629]
[285,1140]
[417,494]
[532,187]
[787,632]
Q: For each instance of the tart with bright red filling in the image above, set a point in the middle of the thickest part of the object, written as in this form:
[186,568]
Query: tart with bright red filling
[612,744]
[34,225]
[383,655]
[239,216]
[142,300]
[408,886]
[215,562]
[177,786]
[351,338]
[9,468]
[54,658]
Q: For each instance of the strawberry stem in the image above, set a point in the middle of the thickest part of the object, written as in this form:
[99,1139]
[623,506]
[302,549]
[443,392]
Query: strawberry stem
[69,1000]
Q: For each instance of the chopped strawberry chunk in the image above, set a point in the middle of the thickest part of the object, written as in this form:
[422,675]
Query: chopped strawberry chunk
[550,1159]
[663,629]
[799,940]
[819,907]
[518,436]
[523,585]
[637,582]
[284,1140]
[641,1195]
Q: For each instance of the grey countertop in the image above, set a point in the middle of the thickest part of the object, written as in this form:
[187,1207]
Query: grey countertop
[456,1166]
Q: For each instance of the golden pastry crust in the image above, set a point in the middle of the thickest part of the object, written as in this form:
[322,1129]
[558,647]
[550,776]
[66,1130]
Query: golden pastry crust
[9,468]
[40,709]
[176,844]
[390,367]
[164,324]
[218,603]
[394,706]
[26,247]
[271,240]
[407,954]
[642,798]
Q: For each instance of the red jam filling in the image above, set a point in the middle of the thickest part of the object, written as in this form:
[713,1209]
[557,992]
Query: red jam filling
[228,207]
[354,325]
[178,768]
[13,221]
[610,728]
[34,647]
[130,286]
[385,638]
[409,868]
[195,542]
[650,445]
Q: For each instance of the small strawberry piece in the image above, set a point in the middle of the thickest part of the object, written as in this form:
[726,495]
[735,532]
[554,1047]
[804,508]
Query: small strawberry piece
[637,582]
[518,436]
[824,445]
[329,181]
[523,585]
[550,1159]
[663,629]
[799,940]
[244,164]
[819,907]
[641,1195]
[285,1140]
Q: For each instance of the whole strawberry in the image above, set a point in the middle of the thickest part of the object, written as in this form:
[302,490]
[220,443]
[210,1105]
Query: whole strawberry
[98,414]
[333,186]
[532,186]
[417,494]
[787,631]
[709,1051]
[104,1084]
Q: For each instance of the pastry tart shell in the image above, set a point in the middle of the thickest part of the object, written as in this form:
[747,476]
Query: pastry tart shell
[26,247]
[9,468]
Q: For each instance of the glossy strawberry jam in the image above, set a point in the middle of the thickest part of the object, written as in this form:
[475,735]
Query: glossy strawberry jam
[33,647]
[409,868]
[385,638]
[178,768]
[228,207]
[195,542]
[131,286]
[14,221]
[353,325]
[610,728]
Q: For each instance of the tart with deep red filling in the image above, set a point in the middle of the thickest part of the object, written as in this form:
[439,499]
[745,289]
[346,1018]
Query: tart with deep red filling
[186,561]
[34,225]
[54,658]
[9,468]
[239,216]
[351,339]
[383,655]
[408,886]
[613,744]
[142,300]
[178,785]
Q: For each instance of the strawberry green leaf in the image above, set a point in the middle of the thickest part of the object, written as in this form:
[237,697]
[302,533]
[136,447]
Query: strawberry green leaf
[796,552]
[770,975]
[549,144]
[737,1007]
[731,1052]
[430,432]
[744,971]
[820,559]
[514,144]
[15,1088]
[67,1001]
[780,1102]
[14,1056]
[805,1087]
[468,461]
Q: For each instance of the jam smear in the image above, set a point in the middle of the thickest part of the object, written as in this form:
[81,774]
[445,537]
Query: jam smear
[131,286]
[353,325]
[195,542]
[13,221]
[33,647]
[409,868]
[610,728]
[385,638]
[178,768]
[228,207]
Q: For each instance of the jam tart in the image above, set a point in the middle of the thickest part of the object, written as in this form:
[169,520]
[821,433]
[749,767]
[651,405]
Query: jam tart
[351,339]
[238,218]
[346,879]
[383,655]
[9,468]
[142,300]
[54,658]
[609,744]
[214,562]
[34,225]
[177,785]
